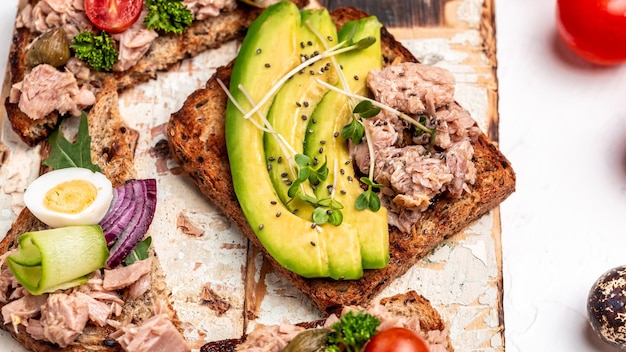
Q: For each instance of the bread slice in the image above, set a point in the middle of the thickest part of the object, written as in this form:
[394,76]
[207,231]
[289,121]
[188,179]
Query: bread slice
[409,304]
[197,143]
[113,148]
[165,51]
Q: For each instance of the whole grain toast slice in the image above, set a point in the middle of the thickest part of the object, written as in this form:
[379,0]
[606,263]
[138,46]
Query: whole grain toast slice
[408,304]
[113,149]
[165,51]
[197,143]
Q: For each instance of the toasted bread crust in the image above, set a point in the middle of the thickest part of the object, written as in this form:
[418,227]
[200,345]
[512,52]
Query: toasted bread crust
[408,304]
[197,143]
[166,51]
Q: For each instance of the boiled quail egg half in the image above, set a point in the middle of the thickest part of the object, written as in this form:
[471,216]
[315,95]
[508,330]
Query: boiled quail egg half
[70,196]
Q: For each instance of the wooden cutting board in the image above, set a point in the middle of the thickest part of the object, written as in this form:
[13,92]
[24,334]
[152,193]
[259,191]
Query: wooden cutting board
[222,286]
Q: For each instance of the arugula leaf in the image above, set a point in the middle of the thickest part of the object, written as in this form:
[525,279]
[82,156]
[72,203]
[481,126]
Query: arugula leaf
[64,154]
[140,252]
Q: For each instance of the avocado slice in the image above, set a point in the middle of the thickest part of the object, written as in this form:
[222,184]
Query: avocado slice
[293,105]
[261,62]
[324,142]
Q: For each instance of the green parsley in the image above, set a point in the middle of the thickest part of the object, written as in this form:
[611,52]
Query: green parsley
[64,154]
[168,16]
[352,331]
[98,51]
[140,252]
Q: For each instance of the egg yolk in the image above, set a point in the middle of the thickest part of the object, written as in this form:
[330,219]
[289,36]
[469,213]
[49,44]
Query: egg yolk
[70,197]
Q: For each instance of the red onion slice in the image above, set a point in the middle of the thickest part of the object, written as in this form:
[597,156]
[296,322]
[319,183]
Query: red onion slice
[137,224]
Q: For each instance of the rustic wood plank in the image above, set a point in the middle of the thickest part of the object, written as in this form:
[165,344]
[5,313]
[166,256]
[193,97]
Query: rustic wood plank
[399,13]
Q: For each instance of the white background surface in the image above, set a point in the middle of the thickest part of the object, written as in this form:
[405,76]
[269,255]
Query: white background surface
[563,126]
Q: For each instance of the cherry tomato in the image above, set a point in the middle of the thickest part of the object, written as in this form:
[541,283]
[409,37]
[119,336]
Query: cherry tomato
[113,16]
[396,340]
[594,29]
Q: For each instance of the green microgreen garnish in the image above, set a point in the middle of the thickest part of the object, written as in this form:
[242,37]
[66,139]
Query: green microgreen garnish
[64,154]
[327,210]
[306,171]
[140,252]
[369,199]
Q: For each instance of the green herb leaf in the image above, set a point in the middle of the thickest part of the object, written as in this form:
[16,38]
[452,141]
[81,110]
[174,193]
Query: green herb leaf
[354,131]
[98,51]
[371,183]
[352,331]
[365,109]
[64,154]
[366,42]
[335,217]
[169,16]
[320,216]
[140,252]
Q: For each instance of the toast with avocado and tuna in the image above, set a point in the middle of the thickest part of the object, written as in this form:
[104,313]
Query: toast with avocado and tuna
[142,53]
[232,163]
[406,310]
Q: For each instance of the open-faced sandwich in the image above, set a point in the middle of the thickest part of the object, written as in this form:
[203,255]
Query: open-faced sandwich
[337,153]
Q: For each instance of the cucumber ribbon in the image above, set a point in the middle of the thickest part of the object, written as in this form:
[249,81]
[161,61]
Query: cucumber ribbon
[60,258]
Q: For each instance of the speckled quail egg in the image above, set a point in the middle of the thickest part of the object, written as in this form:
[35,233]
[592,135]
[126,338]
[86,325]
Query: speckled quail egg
[606,307]
[70,196]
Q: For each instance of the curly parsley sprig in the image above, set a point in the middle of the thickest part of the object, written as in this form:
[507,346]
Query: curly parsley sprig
[352,331]
[168,16]
[97,50]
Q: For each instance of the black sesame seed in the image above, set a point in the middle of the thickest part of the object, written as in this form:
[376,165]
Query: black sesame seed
[336,134]
[311,72]
[322,142]
[347,162]
[309,43]
[271,158]
[258,51]
[109,342]
[288,183]
[280,159]
[302,44]
[315,53]
[329,212]
[342,171]
[284,174]
[356,78]
[350,178]
[295,211]
[306,104]
[261,227]
[274,202]
[298,104]
[304,117]
[268,65]
[312,243]
[269,167]
[314,120]
[279,214]
[343,191]
[313,225]
[321,150]
[330,39]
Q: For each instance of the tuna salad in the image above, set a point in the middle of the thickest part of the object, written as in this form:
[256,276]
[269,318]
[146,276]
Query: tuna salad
[62,316]
[412,168]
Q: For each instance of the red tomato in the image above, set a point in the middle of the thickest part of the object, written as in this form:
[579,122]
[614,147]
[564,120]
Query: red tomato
[113,16]
[594,29]
[396,340]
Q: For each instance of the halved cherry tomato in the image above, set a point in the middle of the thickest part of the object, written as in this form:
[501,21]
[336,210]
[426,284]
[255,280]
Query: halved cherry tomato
[594,29]
[113,16]
[396,340]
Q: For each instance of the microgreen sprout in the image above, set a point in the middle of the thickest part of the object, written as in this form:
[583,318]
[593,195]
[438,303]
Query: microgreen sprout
[335,50]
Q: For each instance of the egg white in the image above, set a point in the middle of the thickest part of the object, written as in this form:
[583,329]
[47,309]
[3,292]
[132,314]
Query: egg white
[92,214]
